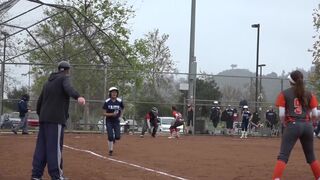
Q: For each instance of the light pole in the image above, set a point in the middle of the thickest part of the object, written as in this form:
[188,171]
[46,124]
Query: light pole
[257,63]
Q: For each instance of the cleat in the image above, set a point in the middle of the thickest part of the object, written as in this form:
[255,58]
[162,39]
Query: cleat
[61,178]
[110,153]
[14,131]
[141,136]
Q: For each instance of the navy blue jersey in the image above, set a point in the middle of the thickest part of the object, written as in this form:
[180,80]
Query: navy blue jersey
[113,107]
[229,113]
[246,115]
[215,113]
[271,115]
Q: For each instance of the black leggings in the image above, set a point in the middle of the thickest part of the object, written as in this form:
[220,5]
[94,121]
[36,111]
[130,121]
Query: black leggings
[215,122]
[176,124]
[297,130]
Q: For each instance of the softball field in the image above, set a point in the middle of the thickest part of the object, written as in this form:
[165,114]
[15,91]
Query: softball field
[190,157]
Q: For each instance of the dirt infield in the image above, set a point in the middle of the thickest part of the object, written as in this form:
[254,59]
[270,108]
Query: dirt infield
[190,157]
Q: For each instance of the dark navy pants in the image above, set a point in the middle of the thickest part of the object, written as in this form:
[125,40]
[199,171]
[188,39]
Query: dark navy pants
[48,151]
[23,124]
[215,122]
[113,129]
[244,125]
[297,130]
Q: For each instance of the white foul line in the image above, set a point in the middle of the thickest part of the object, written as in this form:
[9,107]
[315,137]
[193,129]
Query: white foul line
[123,162]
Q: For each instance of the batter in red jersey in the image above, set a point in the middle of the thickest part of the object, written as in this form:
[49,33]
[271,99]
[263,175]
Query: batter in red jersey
[296,105]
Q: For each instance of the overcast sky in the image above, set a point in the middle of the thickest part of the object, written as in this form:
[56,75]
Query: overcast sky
[224,35]
[223,31]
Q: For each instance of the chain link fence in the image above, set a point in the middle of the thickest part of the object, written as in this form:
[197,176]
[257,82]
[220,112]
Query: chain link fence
[163,93]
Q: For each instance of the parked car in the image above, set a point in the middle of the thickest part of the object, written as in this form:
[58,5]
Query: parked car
[165,123]
[5,122]
[125,125]
[11,120]
[132,124]
[33,119]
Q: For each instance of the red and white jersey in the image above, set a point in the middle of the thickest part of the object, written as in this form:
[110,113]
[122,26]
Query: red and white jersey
[177,115]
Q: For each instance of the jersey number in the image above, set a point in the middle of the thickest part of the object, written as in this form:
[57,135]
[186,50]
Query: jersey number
[297,106]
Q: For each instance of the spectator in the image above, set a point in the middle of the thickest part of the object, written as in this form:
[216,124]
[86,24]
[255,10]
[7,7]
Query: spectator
[271,119]
[189,119]
[229,119]
[23,114]
[215,116]
[242,103]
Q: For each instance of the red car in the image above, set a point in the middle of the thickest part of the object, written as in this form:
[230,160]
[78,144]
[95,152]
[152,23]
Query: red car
[33,119]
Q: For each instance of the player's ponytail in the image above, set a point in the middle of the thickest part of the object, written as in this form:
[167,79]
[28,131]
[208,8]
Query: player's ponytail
[296,80]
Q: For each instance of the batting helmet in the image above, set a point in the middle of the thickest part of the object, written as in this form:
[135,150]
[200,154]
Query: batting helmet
[154,110]
[113,89]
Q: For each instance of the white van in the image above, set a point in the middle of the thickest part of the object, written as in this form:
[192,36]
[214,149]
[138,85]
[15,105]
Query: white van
[165,123]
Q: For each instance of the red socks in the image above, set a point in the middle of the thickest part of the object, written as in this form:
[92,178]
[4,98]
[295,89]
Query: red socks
[278,169]
[280,166]
[315,167]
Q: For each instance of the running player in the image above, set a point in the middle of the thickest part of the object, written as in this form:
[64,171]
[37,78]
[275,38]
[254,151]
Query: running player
[151,120]
[174,131]
[246,117]
[113,110]
[295,104]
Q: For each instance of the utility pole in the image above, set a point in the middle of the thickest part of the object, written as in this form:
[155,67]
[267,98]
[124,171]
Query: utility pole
[192,61]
